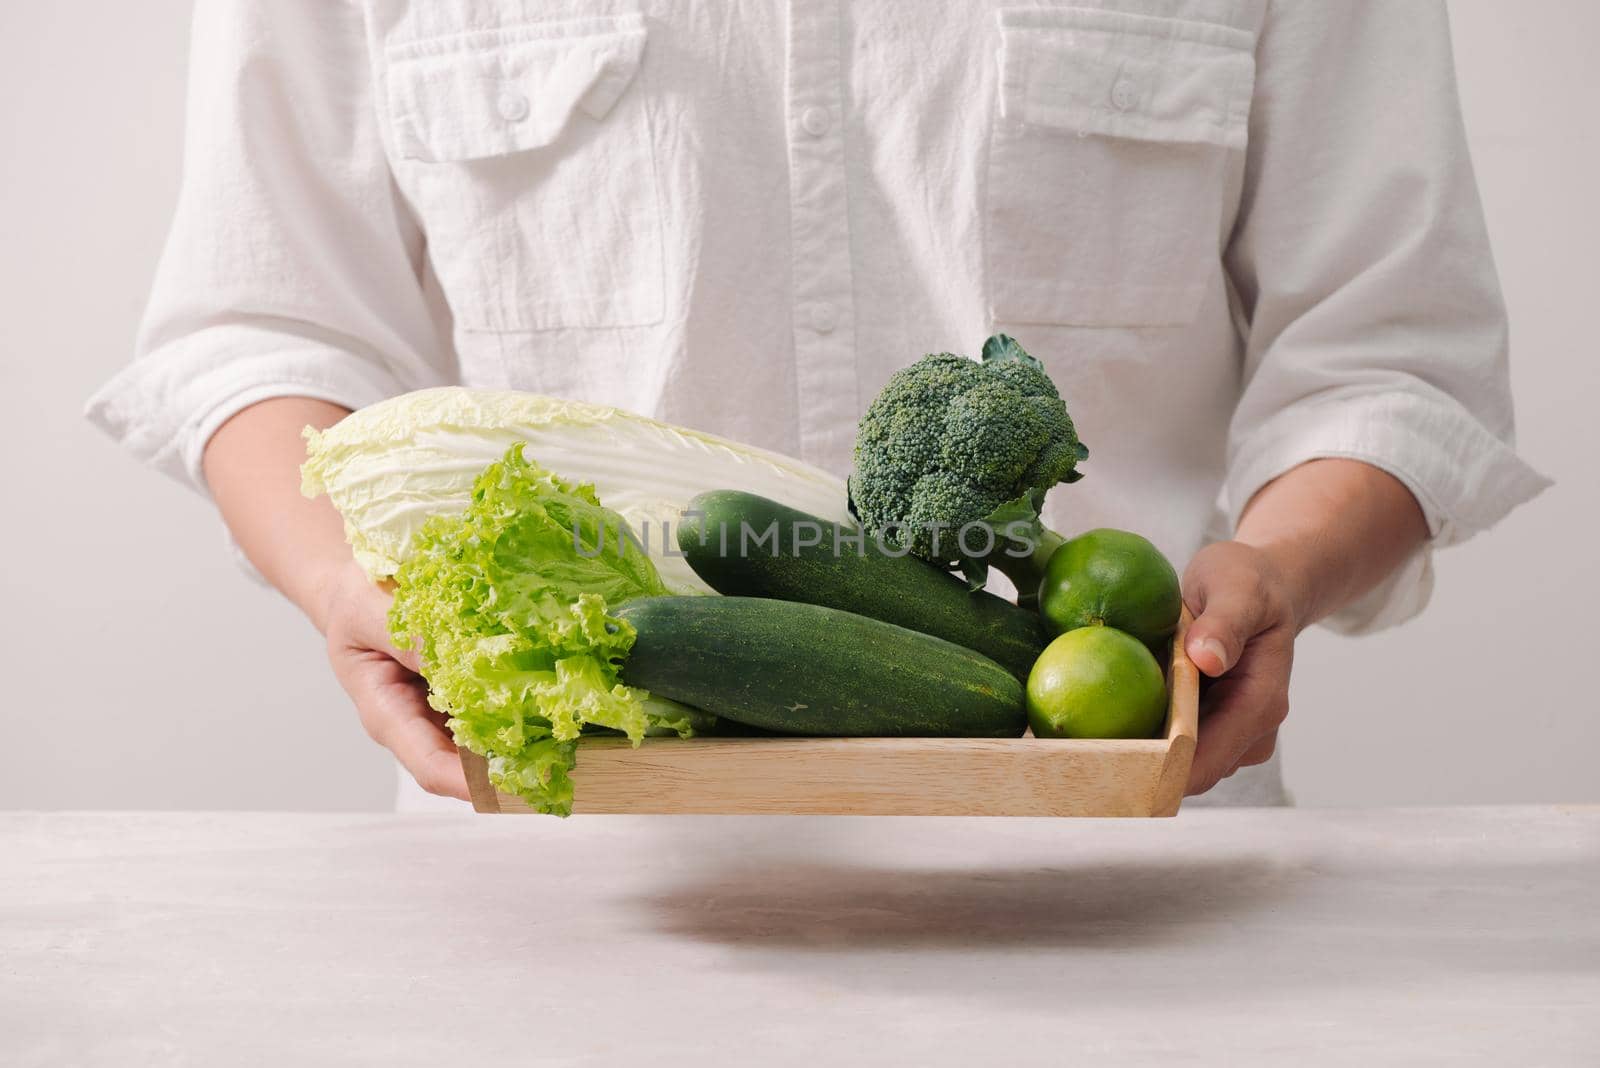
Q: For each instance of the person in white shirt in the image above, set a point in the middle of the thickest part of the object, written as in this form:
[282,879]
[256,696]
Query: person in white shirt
[1243,236]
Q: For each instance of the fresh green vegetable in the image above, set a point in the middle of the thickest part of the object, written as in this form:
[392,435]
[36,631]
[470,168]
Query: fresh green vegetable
[516,628]
[809,559]
[1112,578]
[389,467]
[1096,682]
[805,669]
[951,442]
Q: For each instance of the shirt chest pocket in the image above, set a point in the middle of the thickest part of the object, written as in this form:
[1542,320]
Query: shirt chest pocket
[526,152]
[1109,163]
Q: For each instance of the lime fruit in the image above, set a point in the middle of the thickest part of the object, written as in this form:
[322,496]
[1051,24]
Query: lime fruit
[1096,682]
[1111,578]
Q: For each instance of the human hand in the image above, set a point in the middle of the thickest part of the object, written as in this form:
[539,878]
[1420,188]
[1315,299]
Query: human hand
[383,681]
[1245,623]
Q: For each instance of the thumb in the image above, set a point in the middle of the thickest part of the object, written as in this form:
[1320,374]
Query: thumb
[373,627]
[408,656]
[1227,604]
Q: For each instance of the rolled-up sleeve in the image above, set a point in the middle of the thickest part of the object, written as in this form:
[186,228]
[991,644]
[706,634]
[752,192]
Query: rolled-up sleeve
[1374,323]
[293,267]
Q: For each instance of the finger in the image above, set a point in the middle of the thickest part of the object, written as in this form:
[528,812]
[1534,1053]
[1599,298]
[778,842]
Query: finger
[395,712]
[372,628]
[1240,730]
[427,752]
[1242,714]
[1260,750]
[1229,606]
[408,656]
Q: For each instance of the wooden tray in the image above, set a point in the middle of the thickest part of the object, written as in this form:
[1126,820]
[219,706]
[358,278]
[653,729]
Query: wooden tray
[885,776]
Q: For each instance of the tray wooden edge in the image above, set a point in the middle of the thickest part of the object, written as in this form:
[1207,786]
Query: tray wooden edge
[484,796]
[1119,759]
[1183,723]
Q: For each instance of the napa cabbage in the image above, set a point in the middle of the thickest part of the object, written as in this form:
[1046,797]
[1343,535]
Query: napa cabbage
[390,467]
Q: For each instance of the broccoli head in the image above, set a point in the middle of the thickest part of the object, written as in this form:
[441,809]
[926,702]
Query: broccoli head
[950,442]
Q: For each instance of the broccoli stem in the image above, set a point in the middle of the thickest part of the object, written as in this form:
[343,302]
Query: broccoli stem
[1027,572]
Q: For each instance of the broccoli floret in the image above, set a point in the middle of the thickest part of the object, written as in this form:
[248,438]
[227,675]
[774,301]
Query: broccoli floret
[950,442]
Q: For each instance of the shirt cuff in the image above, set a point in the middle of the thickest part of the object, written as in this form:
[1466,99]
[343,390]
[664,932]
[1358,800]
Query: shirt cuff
[165,406]
[1464,478]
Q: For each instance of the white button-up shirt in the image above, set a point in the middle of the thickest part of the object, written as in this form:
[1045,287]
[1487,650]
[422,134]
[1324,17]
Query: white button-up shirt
[1240,234]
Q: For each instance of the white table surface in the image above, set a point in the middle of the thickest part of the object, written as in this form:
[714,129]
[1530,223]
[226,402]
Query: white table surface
[1245,937]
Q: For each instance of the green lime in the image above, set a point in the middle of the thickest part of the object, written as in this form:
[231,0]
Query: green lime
[1096,682]
[1111,578]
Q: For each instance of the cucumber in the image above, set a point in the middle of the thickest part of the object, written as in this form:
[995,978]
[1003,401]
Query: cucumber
[805,669]
[896,589]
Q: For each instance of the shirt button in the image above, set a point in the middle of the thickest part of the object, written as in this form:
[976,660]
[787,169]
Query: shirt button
[824,317]
[513,105]
[815,121]
[1124,95]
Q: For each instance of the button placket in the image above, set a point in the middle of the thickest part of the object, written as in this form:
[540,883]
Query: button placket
[815,121]
[1124,93]
[823,309]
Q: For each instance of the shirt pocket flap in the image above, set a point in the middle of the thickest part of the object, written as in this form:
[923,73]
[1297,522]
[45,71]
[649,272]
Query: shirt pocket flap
[492,93]
[1122,75]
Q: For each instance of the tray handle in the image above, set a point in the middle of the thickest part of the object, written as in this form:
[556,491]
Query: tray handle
[476,768]
[1183,724]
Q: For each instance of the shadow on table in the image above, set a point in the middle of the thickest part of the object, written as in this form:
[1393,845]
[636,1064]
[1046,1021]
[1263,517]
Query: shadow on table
[824,906]
[1221,929]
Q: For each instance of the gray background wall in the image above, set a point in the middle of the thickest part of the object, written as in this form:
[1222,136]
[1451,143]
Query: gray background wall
[141,670]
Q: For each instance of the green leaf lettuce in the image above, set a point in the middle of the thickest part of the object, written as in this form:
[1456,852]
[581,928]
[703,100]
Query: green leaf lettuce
[507,603]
